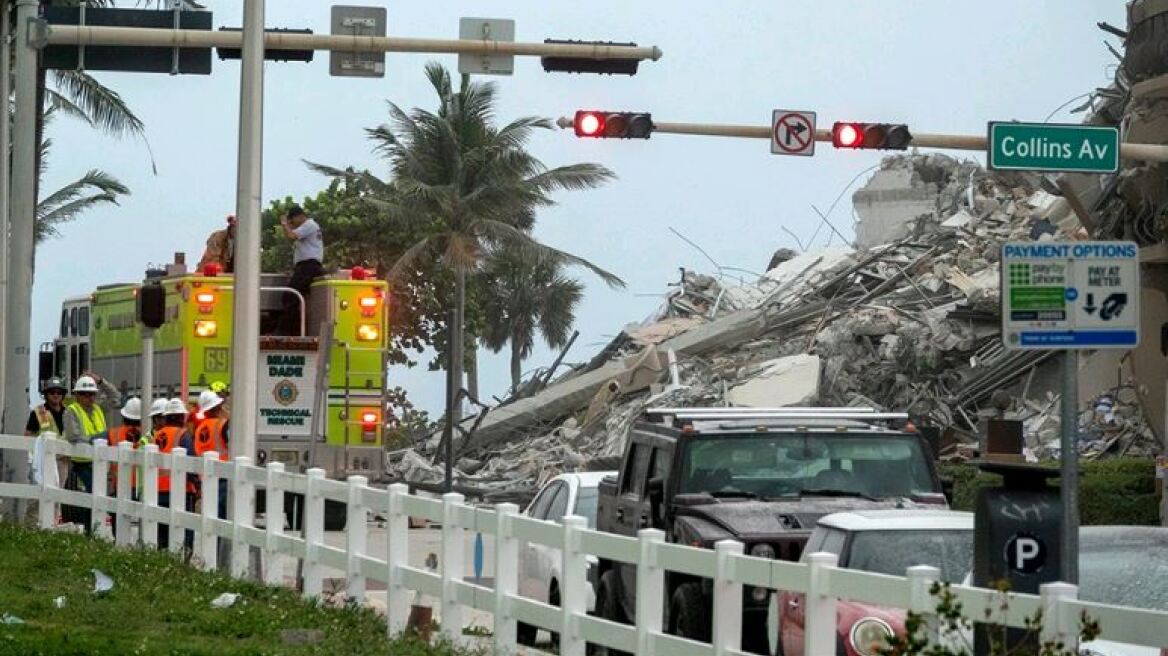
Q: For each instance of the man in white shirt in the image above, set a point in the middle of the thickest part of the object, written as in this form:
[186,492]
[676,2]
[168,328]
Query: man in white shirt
[307,256]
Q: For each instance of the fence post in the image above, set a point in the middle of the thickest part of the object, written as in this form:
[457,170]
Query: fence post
[727,620]
[650,589]
[453,563]
[100,487]
[920,580]
[573,572]
[1055,626]
[50,480]
[208,539]
[819,607]
[506,576]
[355,530]
[149,495]
[313,533]
[242,494]
[397,533]
[124,492]
[178,496]
[273,524]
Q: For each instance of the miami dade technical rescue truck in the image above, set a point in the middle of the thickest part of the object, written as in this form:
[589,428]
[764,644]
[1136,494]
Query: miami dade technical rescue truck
[321,393]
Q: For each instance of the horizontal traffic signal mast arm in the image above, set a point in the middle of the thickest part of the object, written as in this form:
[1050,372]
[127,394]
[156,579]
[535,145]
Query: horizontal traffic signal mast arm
[74,35]
[1131,151]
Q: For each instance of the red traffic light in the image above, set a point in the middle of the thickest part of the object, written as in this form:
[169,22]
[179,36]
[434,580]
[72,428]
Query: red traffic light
[871,136]
[613,125]
[589,124]
[847,135]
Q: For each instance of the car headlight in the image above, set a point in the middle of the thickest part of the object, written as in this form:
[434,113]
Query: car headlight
[870,634]
[762,550]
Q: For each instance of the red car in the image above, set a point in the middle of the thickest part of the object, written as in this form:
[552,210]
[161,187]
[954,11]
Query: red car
[885,542]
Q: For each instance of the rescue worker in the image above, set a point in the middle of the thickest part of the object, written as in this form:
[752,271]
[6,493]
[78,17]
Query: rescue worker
[307,258]
[221,248]
[174,434]
[157,420]
[130,431]
[84,423]
[48,419]
[211,435]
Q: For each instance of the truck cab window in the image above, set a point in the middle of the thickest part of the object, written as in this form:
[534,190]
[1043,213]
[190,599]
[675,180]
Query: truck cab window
[634,468]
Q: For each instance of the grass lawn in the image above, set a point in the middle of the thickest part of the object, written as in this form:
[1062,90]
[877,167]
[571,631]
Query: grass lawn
[160,606]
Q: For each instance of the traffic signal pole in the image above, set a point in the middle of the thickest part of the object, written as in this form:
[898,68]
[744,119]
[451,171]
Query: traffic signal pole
[1131,151]
[22,211]
[74,35]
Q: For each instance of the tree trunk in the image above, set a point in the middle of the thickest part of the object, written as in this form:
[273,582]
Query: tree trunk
[516,365]
[472,370]
[457,336]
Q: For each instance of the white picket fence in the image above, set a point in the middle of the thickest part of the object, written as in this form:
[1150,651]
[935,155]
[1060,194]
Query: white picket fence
[726,565]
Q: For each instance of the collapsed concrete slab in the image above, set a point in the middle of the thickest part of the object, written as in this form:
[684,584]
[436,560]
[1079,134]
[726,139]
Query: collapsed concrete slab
[788,381]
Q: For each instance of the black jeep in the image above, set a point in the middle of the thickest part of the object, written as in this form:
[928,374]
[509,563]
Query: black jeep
[760,477]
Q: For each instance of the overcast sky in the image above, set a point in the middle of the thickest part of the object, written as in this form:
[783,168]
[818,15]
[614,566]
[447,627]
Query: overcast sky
[940,66]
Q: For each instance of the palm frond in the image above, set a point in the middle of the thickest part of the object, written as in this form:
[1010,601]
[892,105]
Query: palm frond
[514,237]
[66,204]
[104,106]
[59,103]
[407,259]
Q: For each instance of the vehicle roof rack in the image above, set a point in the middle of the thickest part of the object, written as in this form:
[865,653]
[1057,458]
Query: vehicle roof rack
[682,415]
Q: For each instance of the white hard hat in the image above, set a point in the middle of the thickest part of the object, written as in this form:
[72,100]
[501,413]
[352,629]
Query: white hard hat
[158,407]
[175,407]
[208,400]
[85,384]
[133,409]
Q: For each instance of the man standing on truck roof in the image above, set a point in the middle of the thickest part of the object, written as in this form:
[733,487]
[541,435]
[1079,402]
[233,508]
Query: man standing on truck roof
[221,248]
[307,258]
[84,423]
[48,419]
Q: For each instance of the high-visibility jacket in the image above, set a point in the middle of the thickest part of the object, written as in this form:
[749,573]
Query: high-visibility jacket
[166,438]
[209,437]
[45,421]
[93,425]
[116,437]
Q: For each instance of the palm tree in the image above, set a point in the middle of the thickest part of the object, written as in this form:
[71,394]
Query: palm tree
[523,294]
[468,185]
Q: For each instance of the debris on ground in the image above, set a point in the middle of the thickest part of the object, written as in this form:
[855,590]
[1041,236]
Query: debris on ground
[225,600]
[59,602]
[7,618]
[101,581]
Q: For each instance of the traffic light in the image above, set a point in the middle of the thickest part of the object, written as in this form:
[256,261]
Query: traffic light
[878,136]
[613,125]
[152,305]
[580,65]
[270,54]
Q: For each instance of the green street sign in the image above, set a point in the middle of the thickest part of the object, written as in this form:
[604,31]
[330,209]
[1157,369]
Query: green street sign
[1053,147]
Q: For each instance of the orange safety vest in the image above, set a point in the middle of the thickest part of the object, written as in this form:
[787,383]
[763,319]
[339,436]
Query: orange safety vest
[209,437]
[166,438]
[116,436]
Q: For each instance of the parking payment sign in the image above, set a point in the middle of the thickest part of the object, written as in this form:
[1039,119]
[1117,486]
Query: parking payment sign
[1070,295]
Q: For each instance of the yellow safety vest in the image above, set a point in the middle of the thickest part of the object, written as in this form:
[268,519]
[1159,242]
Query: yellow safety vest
[93,426]
[45,420]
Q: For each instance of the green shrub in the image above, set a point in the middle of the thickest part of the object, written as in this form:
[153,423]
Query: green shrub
[1116,491]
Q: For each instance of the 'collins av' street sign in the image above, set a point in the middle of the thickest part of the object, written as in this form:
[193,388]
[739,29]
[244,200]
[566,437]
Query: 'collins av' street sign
[1053,147]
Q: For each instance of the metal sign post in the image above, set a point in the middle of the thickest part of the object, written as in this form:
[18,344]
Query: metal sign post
[1070,296]
[147,393]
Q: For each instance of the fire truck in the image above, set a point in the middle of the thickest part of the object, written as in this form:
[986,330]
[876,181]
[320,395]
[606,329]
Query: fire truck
[321,392]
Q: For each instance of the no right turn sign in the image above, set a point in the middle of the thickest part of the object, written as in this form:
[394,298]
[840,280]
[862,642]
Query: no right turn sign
[792,132]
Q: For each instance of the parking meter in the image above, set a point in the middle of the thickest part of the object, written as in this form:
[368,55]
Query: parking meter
[1016,533]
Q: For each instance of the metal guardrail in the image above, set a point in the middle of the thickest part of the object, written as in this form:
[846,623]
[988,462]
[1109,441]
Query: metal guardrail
[726,565]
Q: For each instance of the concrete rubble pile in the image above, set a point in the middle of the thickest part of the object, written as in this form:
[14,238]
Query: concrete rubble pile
[906,323]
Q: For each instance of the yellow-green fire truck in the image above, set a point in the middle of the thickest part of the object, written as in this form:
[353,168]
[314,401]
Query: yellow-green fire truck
[328,382]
